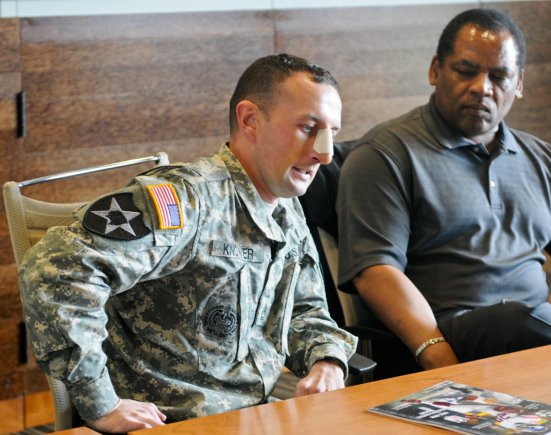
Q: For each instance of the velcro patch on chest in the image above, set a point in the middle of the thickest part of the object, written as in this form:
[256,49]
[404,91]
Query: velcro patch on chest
[116,217]
[167,206]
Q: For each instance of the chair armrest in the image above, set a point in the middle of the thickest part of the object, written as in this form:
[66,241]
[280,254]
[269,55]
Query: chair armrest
[360,365]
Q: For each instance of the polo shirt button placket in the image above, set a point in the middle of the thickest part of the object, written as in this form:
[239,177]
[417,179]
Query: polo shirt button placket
[495,201]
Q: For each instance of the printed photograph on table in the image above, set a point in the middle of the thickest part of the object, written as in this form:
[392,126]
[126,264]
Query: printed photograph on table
[470,410]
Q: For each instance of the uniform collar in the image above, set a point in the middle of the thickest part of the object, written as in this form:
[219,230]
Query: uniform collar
[450,138]
[258,210]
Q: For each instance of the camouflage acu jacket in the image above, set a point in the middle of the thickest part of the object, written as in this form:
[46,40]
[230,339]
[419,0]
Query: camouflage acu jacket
[181,289]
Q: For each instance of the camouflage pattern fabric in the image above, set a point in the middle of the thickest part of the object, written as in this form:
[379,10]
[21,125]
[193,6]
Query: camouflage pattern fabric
[198,319]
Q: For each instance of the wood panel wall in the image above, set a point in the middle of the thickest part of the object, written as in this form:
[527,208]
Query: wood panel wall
[381,56]
[109,88]
[533,112]
[12,371]
[105,88]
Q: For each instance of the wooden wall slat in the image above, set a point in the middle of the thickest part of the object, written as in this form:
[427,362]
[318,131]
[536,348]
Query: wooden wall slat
[10,85]
[9,81]
[8,116]
[117,54]
[10,344]
[155,26]
[9,45]
[533,18]
[89,186]
[11,341]
[533,112]
[39,409]
[12,412]
[35,380]
[186,79]
[8,276]
[361,19]
[103,122]
[361,115]
[12,384]
[11,304]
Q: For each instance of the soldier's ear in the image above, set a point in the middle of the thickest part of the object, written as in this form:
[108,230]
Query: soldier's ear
[247,114]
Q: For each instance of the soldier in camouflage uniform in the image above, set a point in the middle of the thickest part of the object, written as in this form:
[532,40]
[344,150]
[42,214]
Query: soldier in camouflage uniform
[185,293]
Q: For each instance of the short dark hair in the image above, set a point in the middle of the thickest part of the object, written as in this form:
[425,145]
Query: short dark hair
[259,81]
[486,19]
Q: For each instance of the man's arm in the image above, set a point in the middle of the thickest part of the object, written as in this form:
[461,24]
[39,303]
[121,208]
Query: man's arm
[402,308]
[314,339]
[64,312]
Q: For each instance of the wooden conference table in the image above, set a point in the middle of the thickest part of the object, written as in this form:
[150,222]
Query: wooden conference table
[526,374]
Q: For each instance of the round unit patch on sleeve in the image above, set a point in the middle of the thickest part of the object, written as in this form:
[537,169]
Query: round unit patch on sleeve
[116,217]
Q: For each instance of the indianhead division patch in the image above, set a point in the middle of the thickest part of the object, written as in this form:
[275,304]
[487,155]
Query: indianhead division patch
[116,217]
[167,205]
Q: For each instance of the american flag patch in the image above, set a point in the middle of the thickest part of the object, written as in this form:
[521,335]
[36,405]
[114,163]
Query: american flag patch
[167,206]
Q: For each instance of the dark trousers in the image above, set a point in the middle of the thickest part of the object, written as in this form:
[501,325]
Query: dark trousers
[497,329]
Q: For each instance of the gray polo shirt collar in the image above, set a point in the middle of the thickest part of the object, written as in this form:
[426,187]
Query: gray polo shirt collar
[449,138]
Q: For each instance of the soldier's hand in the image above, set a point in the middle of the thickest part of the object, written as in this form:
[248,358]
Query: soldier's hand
[127,416]
[324,376]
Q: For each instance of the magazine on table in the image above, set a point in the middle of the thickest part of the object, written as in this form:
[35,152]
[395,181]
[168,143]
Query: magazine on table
[470,410]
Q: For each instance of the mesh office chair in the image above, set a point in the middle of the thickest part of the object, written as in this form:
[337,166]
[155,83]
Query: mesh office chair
[28,220]
[376,341]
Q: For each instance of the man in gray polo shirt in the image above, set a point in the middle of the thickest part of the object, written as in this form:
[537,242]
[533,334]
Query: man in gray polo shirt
[444,211]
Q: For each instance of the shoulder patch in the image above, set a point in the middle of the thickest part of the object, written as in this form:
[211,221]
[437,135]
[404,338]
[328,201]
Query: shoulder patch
[167,205]
[116,217]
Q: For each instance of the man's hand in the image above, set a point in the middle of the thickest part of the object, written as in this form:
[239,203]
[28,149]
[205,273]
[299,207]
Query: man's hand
[127,416]
[438,355]
[325,375]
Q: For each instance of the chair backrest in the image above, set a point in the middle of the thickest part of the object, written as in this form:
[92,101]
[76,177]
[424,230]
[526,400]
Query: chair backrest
[28,220]
[354,310]
[347,309]
[318,204]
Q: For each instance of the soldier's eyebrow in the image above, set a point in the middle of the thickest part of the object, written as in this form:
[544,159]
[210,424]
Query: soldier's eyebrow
[317,120]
